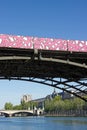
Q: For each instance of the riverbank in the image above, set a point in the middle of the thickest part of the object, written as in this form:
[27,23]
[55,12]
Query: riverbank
[70,113]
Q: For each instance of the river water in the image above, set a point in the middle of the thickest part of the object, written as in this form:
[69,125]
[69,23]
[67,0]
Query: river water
[43,123]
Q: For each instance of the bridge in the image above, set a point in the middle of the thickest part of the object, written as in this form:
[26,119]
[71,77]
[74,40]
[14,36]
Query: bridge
[12,113]
[58,63]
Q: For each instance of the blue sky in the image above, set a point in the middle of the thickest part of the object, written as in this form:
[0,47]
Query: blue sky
[66,19]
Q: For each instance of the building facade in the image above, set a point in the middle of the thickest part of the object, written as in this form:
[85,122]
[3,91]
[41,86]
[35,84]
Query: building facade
[26,98]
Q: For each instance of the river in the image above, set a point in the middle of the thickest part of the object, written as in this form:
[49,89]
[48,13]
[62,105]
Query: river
[43,123]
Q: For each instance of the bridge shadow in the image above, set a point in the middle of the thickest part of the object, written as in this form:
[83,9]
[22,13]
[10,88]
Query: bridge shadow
[22,114]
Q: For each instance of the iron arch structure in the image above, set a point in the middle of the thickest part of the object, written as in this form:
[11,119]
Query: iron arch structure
[55,62]
[63,70]
[78,89]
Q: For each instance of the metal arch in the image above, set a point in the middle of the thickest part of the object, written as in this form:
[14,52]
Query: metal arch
[44,59]
[55,83]
[79,87]
[64,62]
[14,58]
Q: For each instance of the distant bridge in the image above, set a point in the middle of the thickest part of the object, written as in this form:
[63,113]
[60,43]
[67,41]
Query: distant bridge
[10,113]
[55,62]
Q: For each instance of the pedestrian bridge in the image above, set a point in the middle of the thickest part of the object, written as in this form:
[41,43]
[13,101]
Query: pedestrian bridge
[57,63]
[11,113]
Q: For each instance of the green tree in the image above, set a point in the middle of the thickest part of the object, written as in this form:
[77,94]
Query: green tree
[78,103]
[67,104]
[57,98]
[59,105]
[53,105]
[8,106]
[49,105]
[24,105]
[17,107]
[28,105]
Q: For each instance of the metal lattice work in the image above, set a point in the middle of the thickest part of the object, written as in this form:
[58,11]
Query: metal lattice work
[78,89]
[63,70]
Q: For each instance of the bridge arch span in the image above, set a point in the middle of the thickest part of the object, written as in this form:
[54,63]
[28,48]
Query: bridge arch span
[5,114]
[63,84]
[11,113]
[22,113]
[64,70]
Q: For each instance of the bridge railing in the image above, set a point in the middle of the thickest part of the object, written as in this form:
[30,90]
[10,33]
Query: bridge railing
[11,41]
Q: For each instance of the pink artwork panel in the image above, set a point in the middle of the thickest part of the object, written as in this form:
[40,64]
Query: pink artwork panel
[42,43]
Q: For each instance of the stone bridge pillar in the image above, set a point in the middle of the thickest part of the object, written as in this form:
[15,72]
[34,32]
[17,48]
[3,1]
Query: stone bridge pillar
[10,115]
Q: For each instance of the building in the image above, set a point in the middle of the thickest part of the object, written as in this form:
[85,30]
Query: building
[41,101]
[53,95]
[26,98]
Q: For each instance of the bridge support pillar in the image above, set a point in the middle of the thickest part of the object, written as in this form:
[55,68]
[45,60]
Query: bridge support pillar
[7,115]
[10,115]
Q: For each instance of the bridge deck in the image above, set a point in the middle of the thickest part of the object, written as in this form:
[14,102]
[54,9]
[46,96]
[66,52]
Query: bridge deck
[55,57]
[24,63]
[27,58]
[42,43]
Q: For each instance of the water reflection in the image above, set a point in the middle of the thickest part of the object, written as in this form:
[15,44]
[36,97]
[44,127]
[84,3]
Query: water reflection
[71,121]
[44,123]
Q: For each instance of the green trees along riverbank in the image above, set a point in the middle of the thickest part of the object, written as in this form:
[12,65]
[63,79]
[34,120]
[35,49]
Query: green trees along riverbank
[22,106]
[74,106]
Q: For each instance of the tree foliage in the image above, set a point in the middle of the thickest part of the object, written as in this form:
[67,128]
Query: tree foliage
[8,106]
[23,106]
[57,104]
